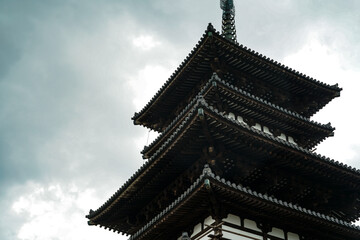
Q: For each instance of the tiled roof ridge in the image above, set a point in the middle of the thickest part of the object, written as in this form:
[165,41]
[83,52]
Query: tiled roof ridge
[172,205]
[192,103]
[173,75]
[277,107]
[294,146]
[202,102]
[207,174]
[278,64]
[211,29]
[216,78]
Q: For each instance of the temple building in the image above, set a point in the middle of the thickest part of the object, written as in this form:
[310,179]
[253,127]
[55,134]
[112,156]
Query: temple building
[235,157]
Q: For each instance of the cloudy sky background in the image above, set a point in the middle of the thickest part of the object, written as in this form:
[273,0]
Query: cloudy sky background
[72,74]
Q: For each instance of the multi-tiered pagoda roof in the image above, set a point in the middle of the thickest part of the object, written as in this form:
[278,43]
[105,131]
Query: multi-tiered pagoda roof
[249,70]
[246,118]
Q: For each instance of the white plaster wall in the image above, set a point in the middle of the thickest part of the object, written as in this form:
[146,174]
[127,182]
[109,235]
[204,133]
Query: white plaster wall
[233,219]
[208,221]
[293,236]
[251,224]
[237,234]
[276,232]
[197,229]
[242,234]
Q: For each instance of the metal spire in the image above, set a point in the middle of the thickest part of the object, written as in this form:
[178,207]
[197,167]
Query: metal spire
[228,19]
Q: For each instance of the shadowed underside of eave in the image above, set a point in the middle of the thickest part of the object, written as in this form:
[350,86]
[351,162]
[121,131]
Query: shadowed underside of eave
[249,107]
[131,197]
[236,199]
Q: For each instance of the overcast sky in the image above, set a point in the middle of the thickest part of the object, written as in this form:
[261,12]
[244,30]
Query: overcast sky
[73,72]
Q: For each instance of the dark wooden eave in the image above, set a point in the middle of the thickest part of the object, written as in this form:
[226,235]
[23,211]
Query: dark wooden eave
[197,66]
[168,162]
[237,199]
[256,108]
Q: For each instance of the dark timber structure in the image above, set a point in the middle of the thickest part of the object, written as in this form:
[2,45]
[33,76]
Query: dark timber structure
[234,156]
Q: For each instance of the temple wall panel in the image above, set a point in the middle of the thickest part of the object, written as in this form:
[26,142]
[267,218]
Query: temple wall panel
[233,219]
[276,232]
[198,228]
[251,225]
[293,236]
[236,234]
[234,228]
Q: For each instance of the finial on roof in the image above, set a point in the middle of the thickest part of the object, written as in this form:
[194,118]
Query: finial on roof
[228,19]
[207,169]
[210,27]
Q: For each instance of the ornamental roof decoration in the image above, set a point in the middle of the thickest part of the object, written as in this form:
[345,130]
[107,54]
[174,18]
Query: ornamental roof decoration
[228,19]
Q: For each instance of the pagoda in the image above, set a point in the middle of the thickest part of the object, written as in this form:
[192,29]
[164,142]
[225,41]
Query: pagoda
[235,158]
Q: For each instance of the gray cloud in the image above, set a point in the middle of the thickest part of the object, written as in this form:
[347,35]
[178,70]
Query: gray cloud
[65,105]
[53,83]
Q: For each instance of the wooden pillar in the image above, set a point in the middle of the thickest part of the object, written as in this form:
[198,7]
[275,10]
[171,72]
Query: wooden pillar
[265,228]
[218,230]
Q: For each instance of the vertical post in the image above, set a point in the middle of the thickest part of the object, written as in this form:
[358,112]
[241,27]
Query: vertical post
[265,228]
[218,230]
